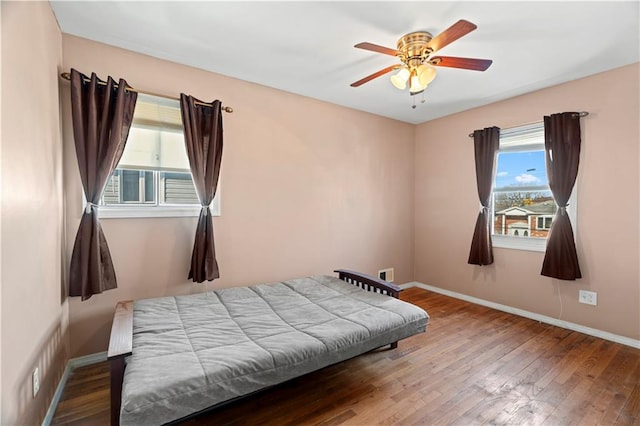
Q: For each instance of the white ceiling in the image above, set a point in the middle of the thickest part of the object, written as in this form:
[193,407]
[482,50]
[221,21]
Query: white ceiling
[307,47]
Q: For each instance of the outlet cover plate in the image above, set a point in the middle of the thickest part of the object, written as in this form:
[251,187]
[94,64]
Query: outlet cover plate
[386,274]
[588,297]
[36,381]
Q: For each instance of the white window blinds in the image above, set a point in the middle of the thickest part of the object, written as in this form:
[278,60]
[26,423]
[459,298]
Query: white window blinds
[522,138]
[156,138]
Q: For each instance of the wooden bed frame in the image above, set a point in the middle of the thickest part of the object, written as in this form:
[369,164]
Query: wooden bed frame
[121,340]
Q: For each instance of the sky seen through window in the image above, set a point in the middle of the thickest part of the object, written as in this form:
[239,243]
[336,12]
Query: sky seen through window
[518,169]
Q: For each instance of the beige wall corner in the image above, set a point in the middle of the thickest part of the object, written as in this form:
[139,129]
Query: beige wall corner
[608,219]
[34,314]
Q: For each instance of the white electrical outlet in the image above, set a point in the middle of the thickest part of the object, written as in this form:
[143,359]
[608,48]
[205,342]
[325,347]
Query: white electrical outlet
[588,297]
[386,274]
[36,381]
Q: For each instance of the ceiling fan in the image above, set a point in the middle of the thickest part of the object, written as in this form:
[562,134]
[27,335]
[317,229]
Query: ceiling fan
[415,52]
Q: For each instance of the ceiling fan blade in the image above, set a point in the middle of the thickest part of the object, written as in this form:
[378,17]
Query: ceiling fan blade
[451,34]
[376,48]
[375,75]
[464,63]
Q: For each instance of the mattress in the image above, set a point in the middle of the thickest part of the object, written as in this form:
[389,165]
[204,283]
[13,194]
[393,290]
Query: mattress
[195,351]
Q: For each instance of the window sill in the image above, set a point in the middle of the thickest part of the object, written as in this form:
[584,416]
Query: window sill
[107,212]
[519,243]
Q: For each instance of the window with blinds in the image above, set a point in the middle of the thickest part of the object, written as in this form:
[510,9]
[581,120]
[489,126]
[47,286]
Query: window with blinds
[153,176]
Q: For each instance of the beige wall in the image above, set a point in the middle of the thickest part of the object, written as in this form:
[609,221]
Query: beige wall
[446,206]
[34,317]
[307,187]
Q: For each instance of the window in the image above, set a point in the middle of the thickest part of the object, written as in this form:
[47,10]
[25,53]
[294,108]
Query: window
[153,177]
[544,222]
[138,187]
[130,187]
[522,204]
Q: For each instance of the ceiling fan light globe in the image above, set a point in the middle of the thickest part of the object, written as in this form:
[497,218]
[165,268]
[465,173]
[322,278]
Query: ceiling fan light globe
[398,82]
[426,74]
[416,86]
[404,73]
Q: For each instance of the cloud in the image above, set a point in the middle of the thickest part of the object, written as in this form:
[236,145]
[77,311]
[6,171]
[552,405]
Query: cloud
[500,174]
[526,178]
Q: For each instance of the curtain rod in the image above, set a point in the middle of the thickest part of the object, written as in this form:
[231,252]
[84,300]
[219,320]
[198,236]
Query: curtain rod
[578,114]
[67,76]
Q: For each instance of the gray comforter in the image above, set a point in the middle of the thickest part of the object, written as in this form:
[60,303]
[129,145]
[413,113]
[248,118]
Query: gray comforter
[192,352]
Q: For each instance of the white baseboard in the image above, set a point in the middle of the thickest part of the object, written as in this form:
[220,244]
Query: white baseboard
[531,315]
[72,364]
[87,360]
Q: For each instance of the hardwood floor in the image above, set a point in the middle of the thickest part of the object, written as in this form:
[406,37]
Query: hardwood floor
[474,365]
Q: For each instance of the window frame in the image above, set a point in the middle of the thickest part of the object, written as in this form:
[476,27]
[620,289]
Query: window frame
[156,209]
[544,222]
[142,189]
[520,242]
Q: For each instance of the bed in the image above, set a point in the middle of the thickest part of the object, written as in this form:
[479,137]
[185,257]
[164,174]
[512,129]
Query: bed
[173,357]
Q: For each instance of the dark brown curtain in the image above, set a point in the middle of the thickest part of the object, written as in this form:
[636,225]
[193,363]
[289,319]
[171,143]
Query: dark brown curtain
[562,147]
[486,145]
[101,114]
[203,139]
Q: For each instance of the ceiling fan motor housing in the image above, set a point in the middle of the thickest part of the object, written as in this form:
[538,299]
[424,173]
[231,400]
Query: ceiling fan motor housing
[412,47]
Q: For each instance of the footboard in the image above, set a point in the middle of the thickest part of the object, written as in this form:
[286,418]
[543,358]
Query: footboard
[369,283]
[120,346]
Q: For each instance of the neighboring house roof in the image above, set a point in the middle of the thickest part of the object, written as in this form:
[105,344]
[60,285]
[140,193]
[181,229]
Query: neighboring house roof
[515,211]
[544,208]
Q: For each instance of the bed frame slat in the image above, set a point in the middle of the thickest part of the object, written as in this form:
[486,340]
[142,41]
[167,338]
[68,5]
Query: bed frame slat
[369,283]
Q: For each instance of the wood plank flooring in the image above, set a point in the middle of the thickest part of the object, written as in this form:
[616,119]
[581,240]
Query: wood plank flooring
[473,366]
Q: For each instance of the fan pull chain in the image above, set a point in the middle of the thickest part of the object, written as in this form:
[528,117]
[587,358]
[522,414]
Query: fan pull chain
[414,101]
